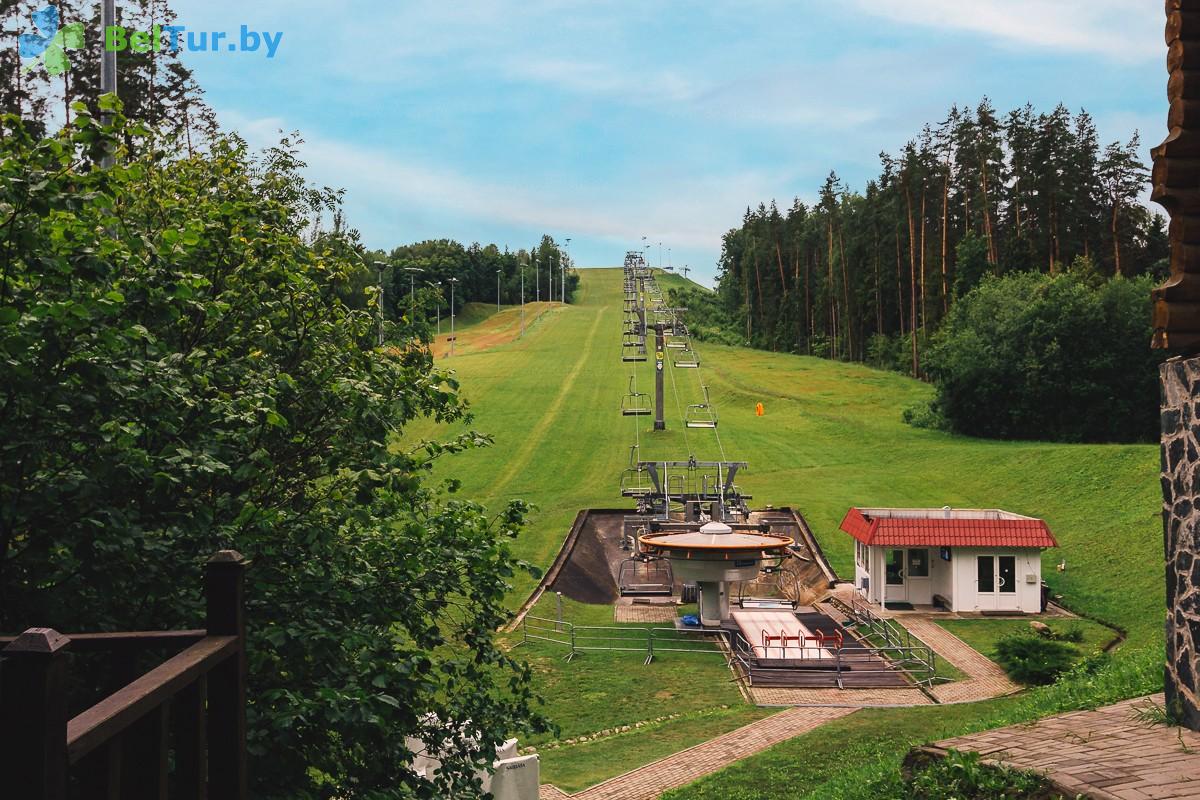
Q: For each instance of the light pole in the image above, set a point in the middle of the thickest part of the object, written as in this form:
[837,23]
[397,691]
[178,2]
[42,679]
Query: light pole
[108,68]
[437,287]
[497,291]
[537,281]
[522,301]
[382,265]
[660,255]
[412,292]
[452,282]
[564,270]
[562,277]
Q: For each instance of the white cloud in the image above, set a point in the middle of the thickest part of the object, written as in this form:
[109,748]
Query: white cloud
[1124,30]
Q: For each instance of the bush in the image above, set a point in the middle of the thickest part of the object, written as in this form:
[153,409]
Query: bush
[962,776]
[1059,357]
[1033,659]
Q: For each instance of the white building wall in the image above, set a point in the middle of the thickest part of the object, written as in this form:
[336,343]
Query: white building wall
[1028,594]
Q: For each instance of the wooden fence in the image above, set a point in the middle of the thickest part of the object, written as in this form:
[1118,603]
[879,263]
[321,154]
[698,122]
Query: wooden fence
[177,731]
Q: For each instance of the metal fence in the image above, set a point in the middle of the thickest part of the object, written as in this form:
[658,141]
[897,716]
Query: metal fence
[579,639]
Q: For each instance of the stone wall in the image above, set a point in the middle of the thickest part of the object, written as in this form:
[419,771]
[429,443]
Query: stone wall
[1180,383]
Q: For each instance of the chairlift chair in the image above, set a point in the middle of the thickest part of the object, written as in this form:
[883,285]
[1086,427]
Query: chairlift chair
[641,576]
[636,482]
[701,415]
[634,358]
[687,359]
[635,404]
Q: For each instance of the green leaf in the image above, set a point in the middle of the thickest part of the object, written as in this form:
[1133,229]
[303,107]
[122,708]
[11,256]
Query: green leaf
[71,36]
[56,60]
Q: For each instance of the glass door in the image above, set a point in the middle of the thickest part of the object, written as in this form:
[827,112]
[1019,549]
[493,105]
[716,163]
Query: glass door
[895,591]
[996,583]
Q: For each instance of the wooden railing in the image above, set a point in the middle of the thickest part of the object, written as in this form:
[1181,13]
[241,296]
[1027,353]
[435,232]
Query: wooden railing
[177,731]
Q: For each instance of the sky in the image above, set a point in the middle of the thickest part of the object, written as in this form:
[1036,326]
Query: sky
[608,121]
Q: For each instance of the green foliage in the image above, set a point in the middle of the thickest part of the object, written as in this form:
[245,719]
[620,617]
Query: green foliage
[707,318]
[971,255]
[1032,356]
[1034,659]
[962,776]
[180,375]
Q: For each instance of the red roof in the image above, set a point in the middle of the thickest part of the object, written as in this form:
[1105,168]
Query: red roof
[906,527]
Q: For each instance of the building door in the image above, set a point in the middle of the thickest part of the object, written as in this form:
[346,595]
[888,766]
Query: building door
[916,577]
[996,583]
[895,590]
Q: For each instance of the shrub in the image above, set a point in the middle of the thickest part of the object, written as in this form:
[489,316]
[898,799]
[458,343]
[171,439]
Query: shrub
[1034,659]
[962,776]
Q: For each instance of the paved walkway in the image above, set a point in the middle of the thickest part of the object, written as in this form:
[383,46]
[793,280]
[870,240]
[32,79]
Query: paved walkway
[985,679]
[850,698]
[650,781]
[1107,754]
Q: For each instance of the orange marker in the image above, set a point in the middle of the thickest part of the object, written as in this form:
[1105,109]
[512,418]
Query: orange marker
[760,410]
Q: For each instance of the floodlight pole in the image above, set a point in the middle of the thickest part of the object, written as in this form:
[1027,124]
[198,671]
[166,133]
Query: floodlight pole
[108,68]
[565,271]
[382,265]
[453,281]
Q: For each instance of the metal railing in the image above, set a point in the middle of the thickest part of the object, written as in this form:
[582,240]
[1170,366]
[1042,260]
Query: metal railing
[579,639]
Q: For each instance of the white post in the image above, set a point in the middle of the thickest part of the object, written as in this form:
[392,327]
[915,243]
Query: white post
[452,282]
[537,280]
[522,301]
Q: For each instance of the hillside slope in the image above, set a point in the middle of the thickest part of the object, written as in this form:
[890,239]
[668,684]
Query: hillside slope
[832,437]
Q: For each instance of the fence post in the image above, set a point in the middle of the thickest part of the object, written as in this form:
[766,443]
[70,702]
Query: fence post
[224,588]
[33,715]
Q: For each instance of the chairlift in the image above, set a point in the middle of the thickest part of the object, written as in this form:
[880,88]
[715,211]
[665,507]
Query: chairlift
[634,358]
[631,339]
[635,404]
[687,359]
[701,415]
[643,576]
[678,344]
[635,482]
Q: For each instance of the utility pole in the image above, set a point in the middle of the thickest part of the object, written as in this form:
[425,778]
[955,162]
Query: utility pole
[382,265]
[452,336]
[108,69]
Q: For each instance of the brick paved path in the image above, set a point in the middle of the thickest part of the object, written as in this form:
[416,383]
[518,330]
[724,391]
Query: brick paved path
[650,781]
[985,679]
[769,696]
[1107,754]
[628,612]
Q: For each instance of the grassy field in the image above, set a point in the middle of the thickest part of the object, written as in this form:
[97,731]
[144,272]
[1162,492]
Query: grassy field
[832,437]
[985,634]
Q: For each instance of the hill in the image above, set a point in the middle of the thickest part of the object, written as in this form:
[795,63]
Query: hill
[832,437]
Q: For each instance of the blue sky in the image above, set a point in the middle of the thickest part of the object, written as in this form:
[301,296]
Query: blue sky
[609,121]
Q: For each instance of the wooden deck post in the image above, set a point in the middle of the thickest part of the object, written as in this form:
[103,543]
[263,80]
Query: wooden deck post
[224,586]
[33,716]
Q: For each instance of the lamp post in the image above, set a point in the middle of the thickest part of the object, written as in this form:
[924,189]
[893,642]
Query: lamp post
[522,301]
[537,281]
[437,287]
[381,265]
[452,282]
[108,68]
[412,292]
[564,269]
[660,255]
[497,291]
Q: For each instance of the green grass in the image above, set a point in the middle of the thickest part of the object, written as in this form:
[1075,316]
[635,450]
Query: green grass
[576,767]
[984,634]
[832,437]
[942,668]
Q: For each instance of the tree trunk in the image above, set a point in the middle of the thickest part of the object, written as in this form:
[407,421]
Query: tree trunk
[900,281]
[946,243]
[1116,237]
[912,266]
[924,249]
[848,315]
[993,256]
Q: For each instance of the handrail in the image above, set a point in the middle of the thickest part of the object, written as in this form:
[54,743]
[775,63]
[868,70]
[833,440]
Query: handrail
[115,713]
[101,642]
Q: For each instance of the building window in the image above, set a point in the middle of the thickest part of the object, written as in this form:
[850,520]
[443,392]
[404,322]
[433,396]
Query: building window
[918,563]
